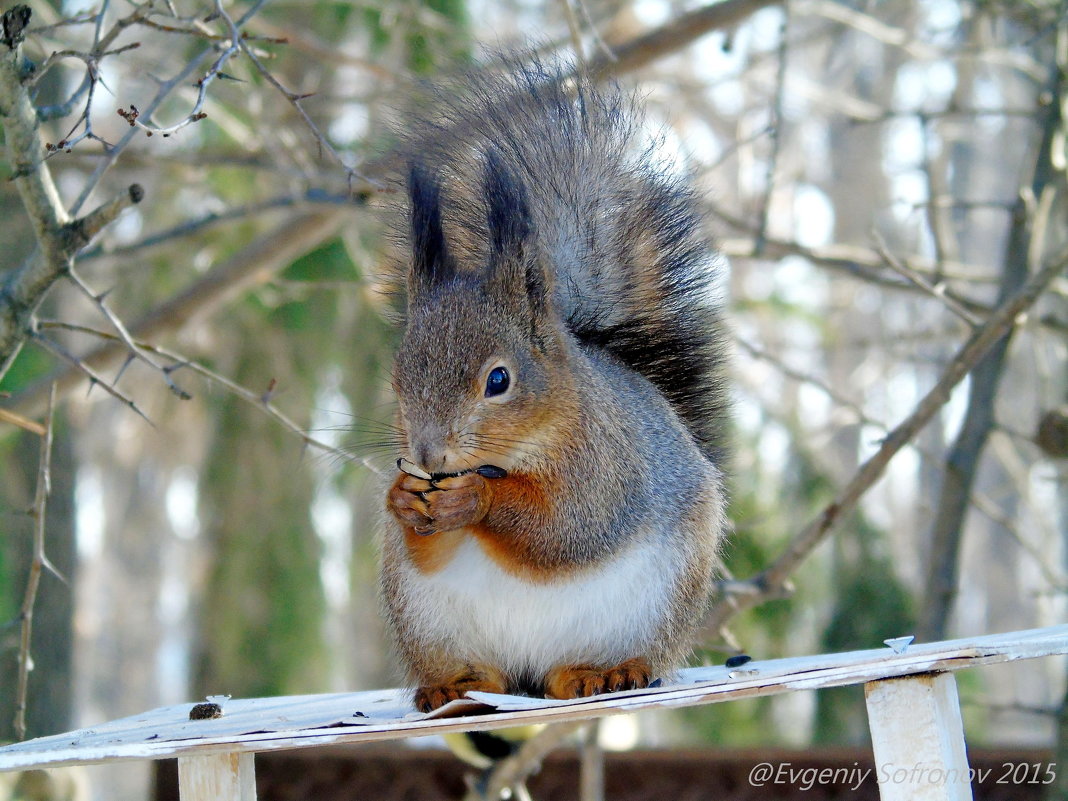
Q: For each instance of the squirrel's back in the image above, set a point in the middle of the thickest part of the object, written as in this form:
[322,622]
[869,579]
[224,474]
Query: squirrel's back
[634,272]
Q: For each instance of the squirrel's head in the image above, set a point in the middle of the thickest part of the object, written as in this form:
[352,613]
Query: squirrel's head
[482,352]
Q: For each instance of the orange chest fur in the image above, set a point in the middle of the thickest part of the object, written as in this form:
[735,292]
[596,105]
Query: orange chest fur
[433,552]
[513,534]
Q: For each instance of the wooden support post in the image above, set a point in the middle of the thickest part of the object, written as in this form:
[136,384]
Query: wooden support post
[918,738]
[217,777]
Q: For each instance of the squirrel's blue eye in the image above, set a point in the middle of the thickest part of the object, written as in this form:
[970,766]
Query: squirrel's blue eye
[497,382]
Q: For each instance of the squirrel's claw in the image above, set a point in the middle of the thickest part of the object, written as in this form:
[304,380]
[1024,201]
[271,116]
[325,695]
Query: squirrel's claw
[443,504]
[462,500]
[429,697]
[407,503]
[582,681]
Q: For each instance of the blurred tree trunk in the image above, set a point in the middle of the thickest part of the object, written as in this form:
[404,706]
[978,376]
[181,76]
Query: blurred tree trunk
[259,627]
[962,461]
[1058,789]
[366,369]
[862,573]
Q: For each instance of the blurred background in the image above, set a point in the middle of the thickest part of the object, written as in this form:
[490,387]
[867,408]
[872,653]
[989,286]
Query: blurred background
[878,176]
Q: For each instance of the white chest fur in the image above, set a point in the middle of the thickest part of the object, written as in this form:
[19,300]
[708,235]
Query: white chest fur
[602,615]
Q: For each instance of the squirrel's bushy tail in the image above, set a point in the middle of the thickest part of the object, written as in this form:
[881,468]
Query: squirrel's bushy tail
[634,272]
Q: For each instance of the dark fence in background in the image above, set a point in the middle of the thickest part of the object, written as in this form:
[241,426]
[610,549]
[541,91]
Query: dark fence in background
[380,773]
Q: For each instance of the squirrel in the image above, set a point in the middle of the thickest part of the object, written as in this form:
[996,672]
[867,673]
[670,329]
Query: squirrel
[555,522]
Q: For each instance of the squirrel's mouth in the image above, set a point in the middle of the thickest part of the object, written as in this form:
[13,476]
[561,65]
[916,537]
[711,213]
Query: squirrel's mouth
[485,470]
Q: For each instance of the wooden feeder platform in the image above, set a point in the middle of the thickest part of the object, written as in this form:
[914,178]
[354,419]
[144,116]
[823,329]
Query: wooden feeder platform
[911,696]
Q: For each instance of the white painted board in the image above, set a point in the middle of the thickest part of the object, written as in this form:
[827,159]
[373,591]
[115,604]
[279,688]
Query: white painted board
[917,737]
[263,724]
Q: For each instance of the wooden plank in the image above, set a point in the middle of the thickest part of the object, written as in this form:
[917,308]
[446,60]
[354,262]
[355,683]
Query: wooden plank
[263,724]
[917,737]
[217,777]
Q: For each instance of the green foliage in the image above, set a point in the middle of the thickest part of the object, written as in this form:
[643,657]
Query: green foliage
[427,47]
[738,724]
[30,365]
[257,631]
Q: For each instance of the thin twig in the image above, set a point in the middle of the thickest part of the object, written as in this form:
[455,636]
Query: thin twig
[162,93]
[38,562]
[204,222]
[232,45]
[674,35]
[937,290]
[94,380]
[575,31]
[84,18]
[804,378]
[775,132]
[295,99]
[860,262]
[606,50]
[261,401]
[20,421]
[256,262]
[124,335]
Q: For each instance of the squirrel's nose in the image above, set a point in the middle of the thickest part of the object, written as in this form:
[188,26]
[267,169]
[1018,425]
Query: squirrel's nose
[429,449]
[427,459]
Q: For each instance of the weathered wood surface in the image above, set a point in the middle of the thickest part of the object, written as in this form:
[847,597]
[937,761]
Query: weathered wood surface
[217,777]
[915,721]
[264,724]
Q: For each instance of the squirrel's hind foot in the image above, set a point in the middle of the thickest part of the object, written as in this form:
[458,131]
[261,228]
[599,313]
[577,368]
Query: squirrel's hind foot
[429,697]
[580,681]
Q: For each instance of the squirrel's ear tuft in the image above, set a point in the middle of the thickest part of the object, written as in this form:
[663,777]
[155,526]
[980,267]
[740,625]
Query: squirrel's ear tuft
[431,261]
[508,221]
[507,212]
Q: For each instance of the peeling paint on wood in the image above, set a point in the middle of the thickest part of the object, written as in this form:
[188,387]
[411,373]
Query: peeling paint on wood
[264,724]
[917,736]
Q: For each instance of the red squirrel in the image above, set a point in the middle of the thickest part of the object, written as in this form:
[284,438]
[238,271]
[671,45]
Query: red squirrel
[554,524]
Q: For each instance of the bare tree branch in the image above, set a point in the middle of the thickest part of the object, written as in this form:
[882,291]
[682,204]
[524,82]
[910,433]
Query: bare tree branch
[680,32]
[136,351]
[38,562]
[514,770]
[19,421]
[962,461]
[80,367]
[638,52]
[164,91]
[58,236]
[775,134]
[773,579]
[916,279]
[261,401]
[254,265]
[205,222]
[591,773]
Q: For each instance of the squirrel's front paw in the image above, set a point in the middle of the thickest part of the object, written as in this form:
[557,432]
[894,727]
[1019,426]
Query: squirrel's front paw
[439,505]
[580,681]
[407,502]
[458,501]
